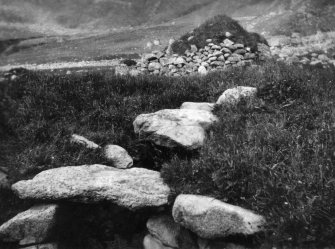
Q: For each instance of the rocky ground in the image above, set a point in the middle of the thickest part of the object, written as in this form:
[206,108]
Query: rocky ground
[194,222]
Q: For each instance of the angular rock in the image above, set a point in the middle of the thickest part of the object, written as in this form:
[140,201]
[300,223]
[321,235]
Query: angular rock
[130,188]
[194,48]
[30,227]
[179,60]
[228,42]
[118,156]
[175,127]
[149,57]
[83,141]
[228,34]
[202,70]
[150,242]
[233,95]
[154,66]
[210,218]
[198,106]
[164,229]
[216,47]
[4,182]
[240,51]
[226,50]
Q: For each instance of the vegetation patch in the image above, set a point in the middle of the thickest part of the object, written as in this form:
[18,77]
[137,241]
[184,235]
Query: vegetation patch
[274,155]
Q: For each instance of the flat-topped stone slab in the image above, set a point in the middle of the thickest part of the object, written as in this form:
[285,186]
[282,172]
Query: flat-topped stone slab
[130,188]
[175,127]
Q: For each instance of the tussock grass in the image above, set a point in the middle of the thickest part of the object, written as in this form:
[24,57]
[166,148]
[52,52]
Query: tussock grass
[274,156]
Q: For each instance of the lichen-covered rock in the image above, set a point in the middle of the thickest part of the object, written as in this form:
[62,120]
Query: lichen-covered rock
[198,106]
[83,141]
[175,127]
[118,156]
[30,227]
[210,218]
[130,188]
[234,95]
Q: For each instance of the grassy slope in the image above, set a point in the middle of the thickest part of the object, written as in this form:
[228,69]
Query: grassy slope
[275,156]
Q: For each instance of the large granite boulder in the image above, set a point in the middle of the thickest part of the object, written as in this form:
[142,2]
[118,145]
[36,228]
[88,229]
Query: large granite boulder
[210,218]
[30,227]
[130,188]
[175,127]
[234,95]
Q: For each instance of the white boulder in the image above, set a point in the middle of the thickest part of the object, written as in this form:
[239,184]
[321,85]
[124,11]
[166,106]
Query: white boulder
[130,188]
[175,127]
[202,70]
[210,218]
[234,95]
[118,156]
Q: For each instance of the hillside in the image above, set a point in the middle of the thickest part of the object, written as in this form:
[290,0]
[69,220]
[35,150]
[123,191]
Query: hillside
[90,29]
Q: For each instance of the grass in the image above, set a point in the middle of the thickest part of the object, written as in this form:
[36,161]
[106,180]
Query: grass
[274,155]
[215,29]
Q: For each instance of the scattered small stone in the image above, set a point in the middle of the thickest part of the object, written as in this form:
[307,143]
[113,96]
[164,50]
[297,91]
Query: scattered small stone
[118,156]
[83,141]
[233,95]
[157,42]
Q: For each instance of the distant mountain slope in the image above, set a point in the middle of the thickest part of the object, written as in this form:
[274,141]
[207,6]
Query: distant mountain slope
[22,18]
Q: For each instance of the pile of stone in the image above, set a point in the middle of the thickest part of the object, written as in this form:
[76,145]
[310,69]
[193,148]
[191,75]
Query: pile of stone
[210,58]
[196,221]
[305,50]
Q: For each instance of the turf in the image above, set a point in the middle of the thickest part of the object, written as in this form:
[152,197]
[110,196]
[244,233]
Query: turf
[215,29]
[274,156]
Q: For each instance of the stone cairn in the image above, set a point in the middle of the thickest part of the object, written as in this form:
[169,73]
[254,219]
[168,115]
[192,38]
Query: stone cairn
[210,58]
